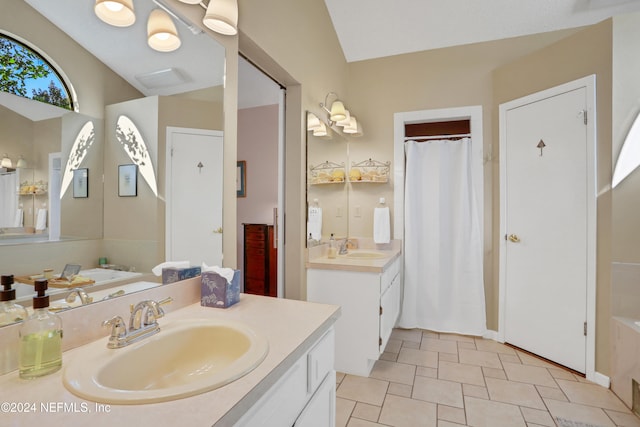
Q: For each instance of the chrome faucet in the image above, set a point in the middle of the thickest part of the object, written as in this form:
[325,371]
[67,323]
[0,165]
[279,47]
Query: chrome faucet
[143,323]
[84,298]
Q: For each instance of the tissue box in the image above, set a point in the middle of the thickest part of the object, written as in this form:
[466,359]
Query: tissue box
[217,292]
[173,274]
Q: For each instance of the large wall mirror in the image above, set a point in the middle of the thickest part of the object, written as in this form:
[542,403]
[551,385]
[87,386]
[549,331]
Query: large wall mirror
[110,69]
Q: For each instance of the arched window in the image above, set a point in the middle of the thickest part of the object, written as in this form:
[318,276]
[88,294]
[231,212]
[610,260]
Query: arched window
[25,72]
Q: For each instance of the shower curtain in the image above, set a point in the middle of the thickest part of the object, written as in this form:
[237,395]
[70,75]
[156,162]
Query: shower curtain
[8,199]
[443,271]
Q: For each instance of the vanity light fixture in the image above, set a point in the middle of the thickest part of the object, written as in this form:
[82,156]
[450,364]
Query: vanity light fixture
[313,122]
[118,13]
[321,130]
[222,16]
[337,111]
[22,163]
[6,161]
[162,34]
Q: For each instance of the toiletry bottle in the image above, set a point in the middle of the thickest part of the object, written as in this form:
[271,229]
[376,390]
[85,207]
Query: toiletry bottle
[333,250]
[10,312]
[40,337]
[310,241]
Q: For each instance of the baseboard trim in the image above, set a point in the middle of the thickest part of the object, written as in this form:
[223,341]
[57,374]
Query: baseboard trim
[601,379]
[491,335]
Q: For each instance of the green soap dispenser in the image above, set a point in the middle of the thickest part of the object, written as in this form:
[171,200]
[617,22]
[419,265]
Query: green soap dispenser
[40,337]
[10,312]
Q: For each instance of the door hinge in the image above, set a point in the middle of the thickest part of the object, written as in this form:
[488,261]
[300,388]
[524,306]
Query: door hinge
[585,116]
[380,310]
[585,329]
[379,341]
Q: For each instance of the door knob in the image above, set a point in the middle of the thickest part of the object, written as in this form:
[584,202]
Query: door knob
[513,238]
[218,230]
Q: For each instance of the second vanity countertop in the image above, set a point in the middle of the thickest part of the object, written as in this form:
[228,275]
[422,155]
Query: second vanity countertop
[317,258]
[290,326]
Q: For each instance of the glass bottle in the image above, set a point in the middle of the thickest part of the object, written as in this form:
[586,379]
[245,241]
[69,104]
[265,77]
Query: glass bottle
[40,338]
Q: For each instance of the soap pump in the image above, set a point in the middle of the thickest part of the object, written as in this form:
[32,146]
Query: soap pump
[333,250]
[10,312]
[40,337]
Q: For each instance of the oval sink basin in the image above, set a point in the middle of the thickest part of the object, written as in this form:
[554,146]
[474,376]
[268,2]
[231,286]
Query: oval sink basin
[185,358]
[365,255]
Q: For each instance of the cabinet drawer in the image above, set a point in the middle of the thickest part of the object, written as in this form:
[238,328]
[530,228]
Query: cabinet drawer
[389,274]
[320,361]
[255,228]
[254,238]
[252,253]
[253,286]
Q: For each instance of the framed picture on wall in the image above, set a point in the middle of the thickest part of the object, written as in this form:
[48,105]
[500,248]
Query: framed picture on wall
[81,183]
[241,178]
[128,180]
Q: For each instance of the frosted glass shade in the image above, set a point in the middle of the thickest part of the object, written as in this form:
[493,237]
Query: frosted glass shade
[338,112]
[6,162]
[118,13]
[222,16]
[345,122]
[22,163]
[321,130]
[352,127]
[313,122]
[161,32]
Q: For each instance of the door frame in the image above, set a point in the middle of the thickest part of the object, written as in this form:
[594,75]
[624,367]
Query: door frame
[589,83]
[168,178]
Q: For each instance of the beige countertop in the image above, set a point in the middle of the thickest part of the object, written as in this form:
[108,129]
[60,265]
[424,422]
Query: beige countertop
[317,258]
[290,326]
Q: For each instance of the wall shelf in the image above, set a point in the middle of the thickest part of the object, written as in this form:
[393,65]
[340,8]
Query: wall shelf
[327,173]
[369,171]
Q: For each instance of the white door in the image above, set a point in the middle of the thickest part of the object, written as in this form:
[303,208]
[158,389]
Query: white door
[194,196]
[546,218]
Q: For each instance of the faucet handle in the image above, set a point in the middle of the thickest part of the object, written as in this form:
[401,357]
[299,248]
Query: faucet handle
[155,312]
[118,327]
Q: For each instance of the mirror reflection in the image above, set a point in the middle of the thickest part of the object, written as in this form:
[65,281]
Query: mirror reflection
[126,235]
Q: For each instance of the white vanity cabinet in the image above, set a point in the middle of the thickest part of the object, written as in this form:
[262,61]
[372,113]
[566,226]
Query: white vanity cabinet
[370,306]
[304,396]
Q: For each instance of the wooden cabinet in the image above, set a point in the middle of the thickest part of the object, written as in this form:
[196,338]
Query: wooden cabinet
[260,260]
[370,304]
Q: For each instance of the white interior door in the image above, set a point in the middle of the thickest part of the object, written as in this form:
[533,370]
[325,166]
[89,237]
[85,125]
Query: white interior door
[546,204]
[194,196]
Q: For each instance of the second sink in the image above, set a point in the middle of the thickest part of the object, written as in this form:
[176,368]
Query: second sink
[187,357]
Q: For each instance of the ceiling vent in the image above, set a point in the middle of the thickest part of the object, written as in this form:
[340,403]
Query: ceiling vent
[161,78]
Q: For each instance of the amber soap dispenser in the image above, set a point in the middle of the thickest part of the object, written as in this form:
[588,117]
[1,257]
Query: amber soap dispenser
[40,337]
[10,312]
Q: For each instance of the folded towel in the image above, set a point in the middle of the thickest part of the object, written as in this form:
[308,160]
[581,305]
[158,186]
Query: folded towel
[18,221]
[157,270]
[227,273]
[314,225]
[41,219]
[381,225]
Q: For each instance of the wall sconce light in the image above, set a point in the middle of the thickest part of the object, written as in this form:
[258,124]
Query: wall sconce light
[118,13]
[161,32]
[340,116]
[321,130]
[222,16]
[6,161]
[22,163]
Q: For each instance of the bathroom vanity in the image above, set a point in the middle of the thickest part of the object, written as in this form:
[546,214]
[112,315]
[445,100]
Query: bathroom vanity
[365,283]
[295,383]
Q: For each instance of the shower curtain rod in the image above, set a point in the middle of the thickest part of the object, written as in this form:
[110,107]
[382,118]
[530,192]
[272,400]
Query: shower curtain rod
[427,137]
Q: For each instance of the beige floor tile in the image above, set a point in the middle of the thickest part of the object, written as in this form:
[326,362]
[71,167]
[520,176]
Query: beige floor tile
[438,391]
[528,374]
[410,344]
[366,412]
[427,372]
[494,346]
[344,408]
[430,334]
[393,346]
[486,413]
[407,335]
[537,417]
[448,357]
[454,415]
[510,358]
[390,357]
[418,357]
[400,389]
[392,371]
[551,393]
[591,394]
[367,390]
[520,394]
[479,358]
[466,374]
[456,337]
[494,373]
[440,346]
[475,391]
[403,412]
[561,374]
[623,419]
[339,377]
[448,424]
[528,359]
[568,414]
[357,422]
[467,345]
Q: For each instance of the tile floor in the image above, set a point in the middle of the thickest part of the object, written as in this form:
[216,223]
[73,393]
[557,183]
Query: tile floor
[444,380]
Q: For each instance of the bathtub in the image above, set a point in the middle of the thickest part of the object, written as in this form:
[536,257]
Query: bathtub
[625,364]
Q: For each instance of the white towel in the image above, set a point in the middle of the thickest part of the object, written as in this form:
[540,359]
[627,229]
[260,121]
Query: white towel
[18,221]
[41,219]
[227,273]
[314,225]
[157,270]
[381,225]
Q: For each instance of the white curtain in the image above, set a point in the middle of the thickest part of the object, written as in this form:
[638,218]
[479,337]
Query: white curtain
[8,199]
[443,272]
